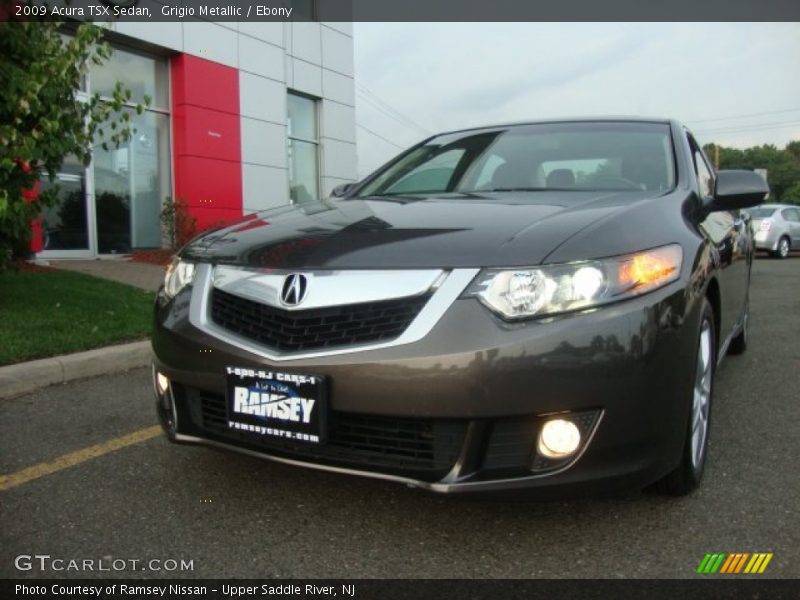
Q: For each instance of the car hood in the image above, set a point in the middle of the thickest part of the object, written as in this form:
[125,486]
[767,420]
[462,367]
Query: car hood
[492,230]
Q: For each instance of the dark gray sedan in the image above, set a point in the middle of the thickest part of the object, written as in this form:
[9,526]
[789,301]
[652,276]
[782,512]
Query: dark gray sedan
[538,306]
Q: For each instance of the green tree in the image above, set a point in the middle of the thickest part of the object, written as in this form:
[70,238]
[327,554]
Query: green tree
[783,166]
[793,148]
[42,121]
[792,195]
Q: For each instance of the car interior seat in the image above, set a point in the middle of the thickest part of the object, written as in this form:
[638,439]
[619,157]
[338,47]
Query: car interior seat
[561,178]
[512,175]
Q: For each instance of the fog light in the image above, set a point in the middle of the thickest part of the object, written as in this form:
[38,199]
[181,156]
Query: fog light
[162,382]
[559,438]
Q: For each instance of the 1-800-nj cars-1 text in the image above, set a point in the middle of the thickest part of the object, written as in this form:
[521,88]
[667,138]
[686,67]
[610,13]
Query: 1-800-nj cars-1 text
[538,306]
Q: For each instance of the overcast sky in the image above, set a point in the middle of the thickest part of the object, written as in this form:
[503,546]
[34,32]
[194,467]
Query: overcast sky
[451,75]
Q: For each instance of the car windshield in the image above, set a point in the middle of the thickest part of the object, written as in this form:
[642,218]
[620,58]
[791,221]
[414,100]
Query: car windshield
[553,156]
[762,212]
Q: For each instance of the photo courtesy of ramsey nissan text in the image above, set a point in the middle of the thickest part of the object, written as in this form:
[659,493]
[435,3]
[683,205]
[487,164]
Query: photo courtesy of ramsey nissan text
[365,299]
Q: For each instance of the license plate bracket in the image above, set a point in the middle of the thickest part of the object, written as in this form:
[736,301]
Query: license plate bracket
[279,406]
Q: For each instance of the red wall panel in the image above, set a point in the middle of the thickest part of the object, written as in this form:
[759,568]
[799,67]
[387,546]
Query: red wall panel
[207,139]
[204,83]
[209,182]
[206,132]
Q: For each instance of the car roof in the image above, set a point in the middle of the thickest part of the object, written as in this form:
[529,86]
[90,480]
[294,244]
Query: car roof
[585,119]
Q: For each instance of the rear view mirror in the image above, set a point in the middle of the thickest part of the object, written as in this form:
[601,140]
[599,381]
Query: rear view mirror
[738,189]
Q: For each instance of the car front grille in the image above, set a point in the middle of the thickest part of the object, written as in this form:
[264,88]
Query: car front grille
[293,331]
[419,447]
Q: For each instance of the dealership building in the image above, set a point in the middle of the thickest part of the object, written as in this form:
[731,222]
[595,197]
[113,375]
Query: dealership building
[242,117]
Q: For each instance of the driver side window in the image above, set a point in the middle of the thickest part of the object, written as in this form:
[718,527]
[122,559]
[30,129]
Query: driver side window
[705,177]
[431,176]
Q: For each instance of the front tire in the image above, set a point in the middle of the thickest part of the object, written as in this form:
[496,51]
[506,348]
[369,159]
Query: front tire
[687,475]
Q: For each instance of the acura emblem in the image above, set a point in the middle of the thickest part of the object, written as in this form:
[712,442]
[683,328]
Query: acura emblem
[295,288]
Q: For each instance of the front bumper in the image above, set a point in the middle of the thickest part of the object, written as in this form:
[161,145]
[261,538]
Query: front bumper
[476,388]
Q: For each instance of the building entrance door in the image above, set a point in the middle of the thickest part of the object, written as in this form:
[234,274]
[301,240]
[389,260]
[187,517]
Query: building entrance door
[66,226]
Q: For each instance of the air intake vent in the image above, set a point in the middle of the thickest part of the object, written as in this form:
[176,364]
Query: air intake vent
[420,447]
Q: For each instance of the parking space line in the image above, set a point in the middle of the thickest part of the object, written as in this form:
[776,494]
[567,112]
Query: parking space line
[75,458]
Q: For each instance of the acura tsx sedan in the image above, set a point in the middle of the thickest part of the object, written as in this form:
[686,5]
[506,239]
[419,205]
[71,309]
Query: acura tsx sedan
[531,307]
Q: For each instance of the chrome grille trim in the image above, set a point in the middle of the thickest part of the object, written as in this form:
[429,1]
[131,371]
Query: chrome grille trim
[325,288]
[450,286]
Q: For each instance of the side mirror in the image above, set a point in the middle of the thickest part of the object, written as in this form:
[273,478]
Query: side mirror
[738,189]
[342,189]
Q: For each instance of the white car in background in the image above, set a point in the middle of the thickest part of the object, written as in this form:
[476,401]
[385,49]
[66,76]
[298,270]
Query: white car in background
[777,228]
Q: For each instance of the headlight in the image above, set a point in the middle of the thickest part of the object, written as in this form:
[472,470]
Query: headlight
[550,289]
[179,274]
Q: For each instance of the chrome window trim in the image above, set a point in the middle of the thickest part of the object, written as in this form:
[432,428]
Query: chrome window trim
[450,286]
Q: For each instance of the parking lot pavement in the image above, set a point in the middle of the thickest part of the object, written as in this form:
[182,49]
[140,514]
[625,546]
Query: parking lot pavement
[236,516]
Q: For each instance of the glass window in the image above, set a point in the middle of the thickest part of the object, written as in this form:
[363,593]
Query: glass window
[132,180]
[705,180]
[303,186]
[791,214]
[143,75]
[65,223]
[302,117]
[599,156]
[303,148]
[114,205]
[484,180]
[761,212]
[130,183]
[432,176]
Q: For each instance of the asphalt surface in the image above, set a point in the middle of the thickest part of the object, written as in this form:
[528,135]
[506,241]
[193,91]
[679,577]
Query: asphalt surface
[236,516]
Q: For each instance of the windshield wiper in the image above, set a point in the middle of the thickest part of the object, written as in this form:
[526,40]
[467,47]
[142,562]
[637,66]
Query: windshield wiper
[385,196]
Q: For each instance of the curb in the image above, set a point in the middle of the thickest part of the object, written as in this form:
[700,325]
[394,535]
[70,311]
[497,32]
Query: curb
[23,378]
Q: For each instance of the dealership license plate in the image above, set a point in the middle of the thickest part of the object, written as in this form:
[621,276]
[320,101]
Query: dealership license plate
[275,405]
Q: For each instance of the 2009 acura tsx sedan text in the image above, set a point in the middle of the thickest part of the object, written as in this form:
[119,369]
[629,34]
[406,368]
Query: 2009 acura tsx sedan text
[536,306]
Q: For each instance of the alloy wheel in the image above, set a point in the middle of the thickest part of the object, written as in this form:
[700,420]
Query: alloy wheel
[702,396]
[783,248]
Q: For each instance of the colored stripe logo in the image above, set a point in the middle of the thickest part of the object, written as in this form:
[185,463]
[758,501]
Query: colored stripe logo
[734,563]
